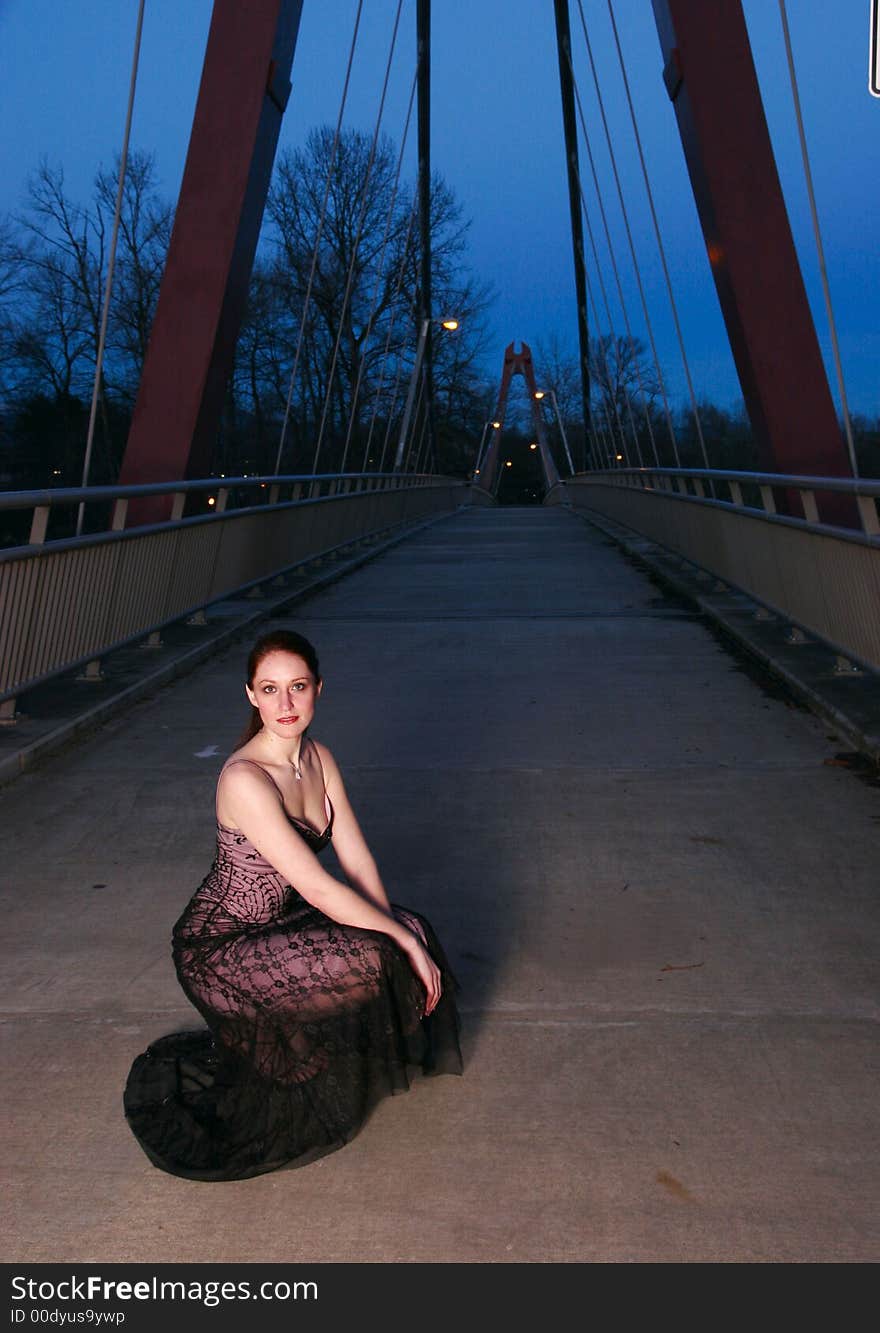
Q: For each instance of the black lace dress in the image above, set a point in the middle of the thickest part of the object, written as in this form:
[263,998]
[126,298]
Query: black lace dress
[310,1024]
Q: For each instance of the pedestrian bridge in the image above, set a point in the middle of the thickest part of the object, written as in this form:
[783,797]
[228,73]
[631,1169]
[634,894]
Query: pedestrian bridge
[653,867]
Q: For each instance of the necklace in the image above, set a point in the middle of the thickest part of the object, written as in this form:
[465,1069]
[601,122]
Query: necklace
[295,764]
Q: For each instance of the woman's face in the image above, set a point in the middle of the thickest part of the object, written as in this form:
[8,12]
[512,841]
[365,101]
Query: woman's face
[285,692]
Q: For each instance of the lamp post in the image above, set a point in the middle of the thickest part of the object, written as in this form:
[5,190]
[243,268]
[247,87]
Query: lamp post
[495,425]
[539,394]
[507,463]
[450,324]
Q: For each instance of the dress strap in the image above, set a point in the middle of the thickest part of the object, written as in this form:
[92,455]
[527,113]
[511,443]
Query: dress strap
[254,763]
[263,770]
[320,765]
[328,804]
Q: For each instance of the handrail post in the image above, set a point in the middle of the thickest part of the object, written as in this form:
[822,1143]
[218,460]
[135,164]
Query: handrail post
[868,514]
[39,523]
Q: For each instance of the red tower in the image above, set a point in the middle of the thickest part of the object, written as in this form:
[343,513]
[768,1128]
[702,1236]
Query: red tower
[517,363]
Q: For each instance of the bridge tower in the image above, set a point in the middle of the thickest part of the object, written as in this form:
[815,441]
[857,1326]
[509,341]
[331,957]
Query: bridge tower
[517,363]
[243,93]
[711,80]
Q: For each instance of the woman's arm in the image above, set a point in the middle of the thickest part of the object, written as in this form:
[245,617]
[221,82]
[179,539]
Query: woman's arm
[349,843]
[255,806]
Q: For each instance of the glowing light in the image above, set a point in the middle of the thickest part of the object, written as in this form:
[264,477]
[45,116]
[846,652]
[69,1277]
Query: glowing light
[211,500]
[619,457]
[496,425]
[508,463]
[539,394]
[450,324]
[533,446]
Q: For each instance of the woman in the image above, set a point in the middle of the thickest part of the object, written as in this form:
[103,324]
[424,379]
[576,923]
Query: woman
[318,996]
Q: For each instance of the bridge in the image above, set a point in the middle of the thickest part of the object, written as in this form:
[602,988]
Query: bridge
[622,747]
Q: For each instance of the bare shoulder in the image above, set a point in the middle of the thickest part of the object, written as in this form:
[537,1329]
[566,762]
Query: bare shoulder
[328,763]
[245,777]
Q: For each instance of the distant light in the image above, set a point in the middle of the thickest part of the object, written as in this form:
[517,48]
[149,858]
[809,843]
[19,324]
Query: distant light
[477,472]
[450,324]
[619,457]
[56,472]
[211,500]
[222,474]
[533,446]
[496,425]
[508,463]
[539,394]
[262,485]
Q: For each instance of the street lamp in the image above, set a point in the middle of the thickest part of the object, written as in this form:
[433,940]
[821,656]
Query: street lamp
[451,325]
[496,425]
[539,394]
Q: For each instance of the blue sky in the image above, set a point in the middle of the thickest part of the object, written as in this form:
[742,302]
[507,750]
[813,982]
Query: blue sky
[497,138]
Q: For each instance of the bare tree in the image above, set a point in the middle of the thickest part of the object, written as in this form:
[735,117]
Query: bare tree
[621,376]
[11,281]
[343,231]
[144,233]
[558,370]
[61,256]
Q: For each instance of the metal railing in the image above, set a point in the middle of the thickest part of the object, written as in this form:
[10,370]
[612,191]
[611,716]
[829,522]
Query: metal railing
[821,578]
[65,603]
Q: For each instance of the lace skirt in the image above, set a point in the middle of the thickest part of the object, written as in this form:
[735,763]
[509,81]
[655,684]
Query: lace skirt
[309,1024]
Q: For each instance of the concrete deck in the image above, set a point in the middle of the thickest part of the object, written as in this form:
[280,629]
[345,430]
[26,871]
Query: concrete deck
[655,878]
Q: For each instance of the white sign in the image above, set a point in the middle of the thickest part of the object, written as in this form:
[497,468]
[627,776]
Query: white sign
[874,67]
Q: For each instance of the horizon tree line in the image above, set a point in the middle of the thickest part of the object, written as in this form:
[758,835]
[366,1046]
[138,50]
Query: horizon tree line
[338,297]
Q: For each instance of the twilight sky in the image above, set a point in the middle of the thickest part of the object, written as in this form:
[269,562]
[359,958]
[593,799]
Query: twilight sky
[497,138]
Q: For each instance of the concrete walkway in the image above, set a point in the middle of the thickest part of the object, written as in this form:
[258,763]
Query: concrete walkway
[655,880]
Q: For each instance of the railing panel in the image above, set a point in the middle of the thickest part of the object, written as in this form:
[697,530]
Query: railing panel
[142,573]
[67,602]
[823,579]
[192,570]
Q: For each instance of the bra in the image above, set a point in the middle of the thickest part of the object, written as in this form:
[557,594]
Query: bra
[303,825]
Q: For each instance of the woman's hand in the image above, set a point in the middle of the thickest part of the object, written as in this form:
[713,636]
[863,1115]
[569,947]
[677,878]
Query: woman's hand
[427,972]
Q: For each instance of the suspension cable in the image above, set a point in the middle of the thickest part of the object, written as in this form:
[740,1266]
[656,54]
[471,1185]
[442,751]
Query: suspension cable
[412,451]
[420,454]
[327,184]
[615,270]
[820,250]
[602,353]
[632,250]
[391,408]
[374,304]
[395,308]
[693,397]
[111,261]
[601,347]
[365,199]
